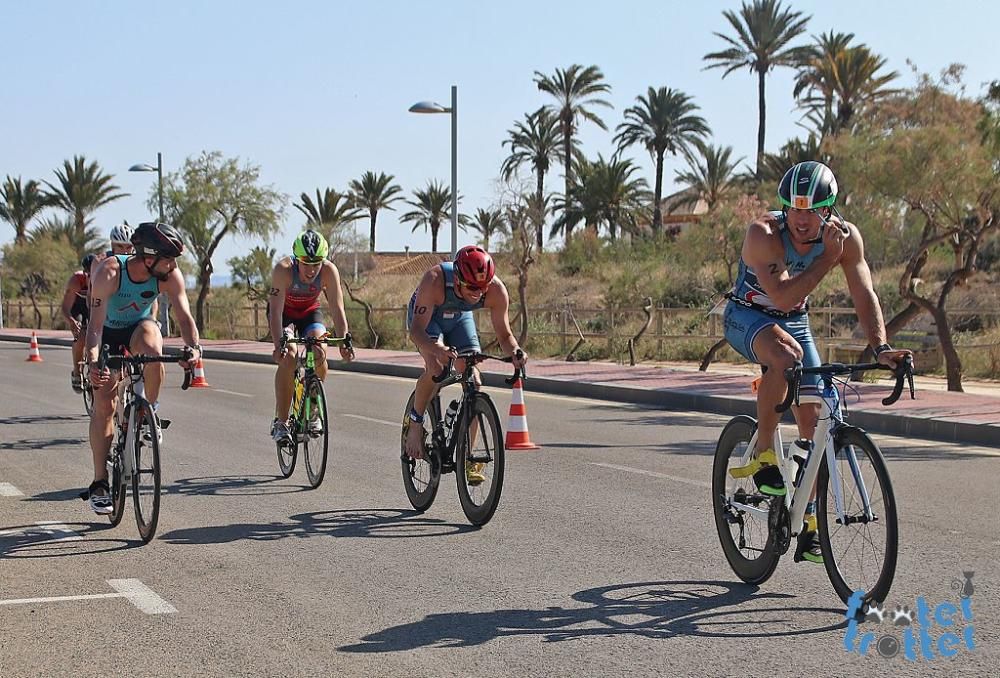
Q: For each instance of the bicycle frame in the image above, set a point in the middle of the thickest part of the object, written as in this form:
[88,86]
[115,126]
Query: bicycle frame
[305,360]
[824,448]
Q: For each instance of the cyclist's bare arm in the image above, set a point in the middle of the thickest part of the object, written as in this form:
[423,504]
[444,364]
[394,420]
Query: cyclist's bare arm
[103,285]
[72,287]
[764,252]
[498,303]
[173,287]
[334,297]
[281,278]
[859,282]
[430,295]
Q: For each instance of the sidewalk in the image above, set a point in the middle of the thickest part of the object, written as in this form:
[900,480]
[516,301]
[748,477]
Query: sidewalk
[936,414]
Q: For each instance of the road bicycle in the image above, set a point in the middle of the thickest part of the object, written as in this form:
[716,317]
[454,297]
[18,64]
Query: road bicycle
[468,441]
[309,424]
[855,505]
[135,450]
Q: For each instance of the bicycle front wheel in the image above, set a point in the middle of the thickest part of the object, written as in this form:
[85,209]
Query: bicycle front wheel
[743,531]
[314,431]
[88,397]
[860,552]
[421,477]
[146,476]
[116,482]
[479,461]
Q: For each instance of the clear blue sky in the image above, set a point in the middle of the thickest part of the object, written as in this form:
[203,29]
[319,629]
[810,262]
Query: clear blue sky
[315,93]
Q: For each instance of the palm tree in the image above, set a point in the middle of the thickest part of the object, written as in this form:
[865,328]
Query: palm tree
[664,121]
[433,205]
[711,176]
[373,193]
[536,141]
[486,223]
[56,228]
[329,212]
[838,80]
[83,189]
[604,193]
[763,30]
[20,204]
[576,90]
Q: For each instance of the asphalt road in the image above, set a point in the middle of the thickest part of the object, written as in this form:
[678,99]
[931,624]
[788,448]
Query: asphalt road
[602,559]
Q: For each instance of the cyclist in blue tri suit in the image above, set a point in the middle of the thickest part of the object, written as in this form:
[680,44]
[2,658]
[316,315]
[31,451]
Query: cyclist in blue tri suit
[439,316]
[785,255]
[122,291]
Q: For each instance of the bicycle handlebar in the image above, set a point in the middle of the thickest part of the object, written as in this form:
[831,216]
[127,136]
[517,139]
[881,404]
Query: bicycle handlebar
[793,376]
[325,340]
[139,360]
[472,358]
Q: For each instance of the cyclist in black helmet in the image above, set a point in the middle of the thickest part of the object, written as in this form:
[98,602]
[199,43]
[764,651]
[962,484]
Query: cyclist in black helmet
[785,255]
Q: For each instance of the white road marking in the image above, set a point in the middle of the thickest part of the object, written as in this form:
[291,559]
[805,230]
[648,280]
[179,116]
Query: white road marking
[47,527]
[8,490]
[235,393]
[133,590]
[142,596]
[654,474]
[55,527]
[396,424]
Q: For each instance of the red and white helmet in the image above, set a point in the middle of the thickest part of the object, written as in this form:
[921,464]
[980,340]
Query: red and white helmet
[474,267]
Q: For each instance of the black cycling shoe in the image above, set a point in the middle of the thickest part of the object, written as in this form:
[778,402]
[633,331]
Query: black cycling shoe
[768,480]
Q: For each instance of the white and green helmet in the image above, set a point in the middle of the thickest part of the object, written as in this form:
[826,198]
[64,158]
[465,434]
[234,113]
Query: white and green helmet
[310,246]
[808,185]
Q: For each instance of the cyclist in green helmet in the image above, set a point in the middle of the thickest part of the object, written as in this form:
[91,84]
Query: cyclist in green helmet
[293,302]
[785,255]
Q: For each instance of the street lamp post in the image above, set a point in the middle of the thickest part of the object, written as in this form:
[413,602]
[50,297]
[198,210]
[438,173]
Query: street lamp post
[431,107]
[146,167]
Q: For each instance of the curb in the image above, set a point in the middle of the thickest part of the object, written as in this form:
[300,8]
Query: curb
[679,401]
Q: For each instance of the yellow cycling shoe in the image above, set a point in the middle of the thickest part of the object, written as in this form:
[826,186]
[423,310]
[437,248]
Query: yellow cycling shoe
[765,458]
[474,473]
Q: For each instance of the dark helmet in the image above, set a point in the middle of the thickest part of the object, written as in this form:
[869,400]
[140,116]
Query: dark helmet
[87,261]
[156,239]
[808,185]
[474,267]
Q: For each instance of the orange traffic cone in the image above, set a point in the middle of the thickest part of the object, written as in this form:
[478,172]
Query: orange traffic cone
[33,355]
[199,380]
[517,422]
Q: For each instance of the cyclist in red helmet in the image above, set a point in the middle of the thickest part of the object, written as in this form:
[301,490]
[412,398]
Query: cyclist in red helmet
[440,322]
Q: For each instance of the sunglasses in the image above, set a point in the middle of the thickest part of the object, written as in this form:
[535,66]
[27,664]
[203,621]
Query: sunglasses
[311,262]
[474,288]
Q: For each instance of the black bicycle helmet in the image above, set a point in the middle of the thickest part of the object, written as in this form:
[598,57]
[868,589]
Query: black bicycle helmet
[155,239]
[807,186]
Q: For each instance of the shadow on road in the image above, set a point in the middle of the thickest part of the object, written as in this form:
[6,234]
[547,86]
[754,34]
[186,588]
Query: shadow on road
[53,541]
[231,486]
[43,443]
[363,523]
[659,610]
[28,419]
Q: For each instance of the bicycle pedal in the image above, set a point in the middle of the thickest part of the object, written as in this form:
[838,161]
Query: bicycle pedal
[164,424]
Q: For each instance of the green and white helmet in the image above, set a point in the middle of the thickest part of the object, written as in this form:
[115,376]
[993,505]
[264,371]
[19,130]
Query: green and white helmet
[808,185]
[311,247]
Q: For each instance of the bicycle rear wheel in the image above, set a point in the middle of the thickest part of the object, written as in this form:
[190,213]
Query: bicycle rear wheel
[146,476]
[861,555]
[421,477]
[116,483]
[480,461]
[745,537]
[314,431]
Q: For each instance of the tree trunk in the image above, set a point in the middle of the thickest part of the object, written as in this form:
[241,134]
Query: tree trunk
[540,216]
[952,363]
[371,238]
[204,286]
[567,164]
[658,195]
[710,356]
[434,238]
[762,116]
[522,295]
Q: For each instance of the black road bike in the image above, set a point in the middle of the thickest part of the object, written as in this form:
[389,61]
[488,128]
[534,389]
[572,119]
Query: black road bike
[471,445]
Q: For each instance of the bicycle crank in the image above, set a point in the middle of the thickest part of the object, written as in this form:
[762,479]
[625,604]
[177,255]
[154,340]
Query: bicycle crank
[779,530]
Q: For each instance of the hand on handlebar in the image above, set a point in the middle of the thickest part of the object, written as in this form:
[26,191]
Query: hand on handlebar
[893,359]
[519,359]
